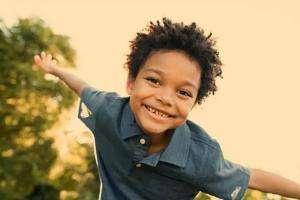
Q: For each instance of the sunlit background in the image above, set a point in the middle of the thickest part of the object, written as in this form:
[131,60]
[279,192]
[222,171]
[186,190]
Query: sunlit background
[254,114]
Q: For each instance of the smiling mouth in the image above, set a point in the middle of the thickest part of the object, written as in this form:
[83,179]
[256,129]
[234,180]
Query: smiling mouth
[158,113]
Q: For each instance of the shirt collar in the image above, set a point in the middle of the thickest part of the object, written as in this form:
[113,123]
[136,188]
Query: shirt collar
[175,153]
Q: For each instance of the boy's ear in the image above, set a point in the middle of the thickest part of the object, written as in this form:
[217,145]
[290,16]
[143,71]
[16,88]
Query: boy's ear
[129,84]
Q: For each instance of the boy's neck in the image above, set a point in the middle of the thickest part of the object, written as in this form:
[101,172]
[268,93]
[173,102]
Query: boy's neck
[161,140]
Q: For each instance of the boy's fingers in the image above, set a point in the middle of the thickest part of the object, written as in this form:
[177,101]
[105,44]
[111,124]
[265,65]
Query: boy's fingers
[49,56]
[43,54]
[37,59]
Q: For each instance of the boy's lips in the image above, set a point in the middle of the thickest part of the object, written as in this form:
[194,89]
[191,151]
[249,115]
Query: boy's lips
[158,111]
[154,116]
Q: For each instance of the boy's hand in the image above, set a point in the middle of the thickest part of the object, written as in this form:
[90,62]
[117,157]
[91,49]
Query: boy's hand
[48,65]
[45,62]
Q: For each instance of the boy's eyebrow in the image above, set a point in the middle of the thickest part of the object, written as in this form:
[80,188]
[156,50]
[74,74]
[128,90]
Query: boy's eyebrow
[158,71]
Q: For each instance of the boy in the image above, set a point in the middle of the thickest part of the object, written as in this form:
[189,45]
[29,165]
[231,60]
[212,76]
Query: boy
[146,147]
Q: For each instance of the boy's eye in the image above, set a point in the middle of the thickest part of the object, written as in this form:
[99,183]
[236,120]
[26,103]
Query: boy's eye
[185,93]
[153,80]
[157,82]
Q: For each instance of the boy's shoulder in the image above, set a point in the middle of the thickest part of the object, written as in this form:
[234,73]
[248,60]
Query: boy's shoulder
[200,136]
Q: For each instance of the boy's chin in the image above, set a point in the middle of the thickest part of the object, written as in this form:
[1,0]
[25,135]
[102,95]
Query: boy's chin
[154,132]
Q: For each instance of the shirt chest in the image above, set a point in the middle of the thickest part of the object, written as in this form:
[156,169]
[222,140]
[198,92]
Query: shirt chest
[143,172]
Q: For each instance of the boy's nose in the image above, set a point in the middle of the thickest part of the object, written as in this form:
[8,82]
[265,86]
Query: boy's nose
[165,97]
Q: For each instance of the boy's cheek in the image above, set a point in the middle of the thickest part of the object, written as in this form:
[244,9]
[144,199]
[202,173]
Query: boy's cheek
[144,92]
[185,110]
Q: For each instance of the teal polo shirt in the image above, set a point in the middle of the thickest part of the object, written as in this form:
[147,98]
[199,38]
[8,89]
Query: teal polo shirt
[192,161]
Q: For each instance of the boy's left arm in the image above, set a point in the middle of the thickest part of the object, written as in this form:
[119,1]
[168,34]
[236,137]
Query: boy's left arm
[271,183]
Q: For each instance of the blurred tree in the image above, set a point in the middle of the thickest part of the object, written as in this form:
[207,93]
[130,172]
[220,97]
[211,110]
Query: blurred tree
[44,192]
[89,189]
[30,104]
[81,179]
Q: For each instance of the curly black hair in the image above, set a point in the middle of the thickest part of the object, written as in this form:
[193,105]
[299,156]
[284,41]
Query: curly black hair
[177,36]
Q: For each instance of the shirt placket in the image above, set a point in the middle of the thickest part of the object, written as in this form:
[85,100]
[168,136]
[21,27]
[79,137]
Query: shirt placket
[140,145]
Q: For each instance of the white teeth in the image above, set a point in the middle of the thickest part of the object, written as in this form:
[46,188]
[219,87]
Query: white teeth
[156,112]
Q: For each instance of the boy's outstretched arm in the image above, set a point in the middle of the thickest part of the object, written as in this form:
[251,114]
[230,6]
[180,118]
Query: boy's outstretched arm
[272,183]
[49,65]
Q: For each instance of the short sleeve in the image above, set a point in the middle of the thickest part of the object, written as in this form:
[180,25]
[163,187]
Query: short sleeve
[91,100]
[225,180]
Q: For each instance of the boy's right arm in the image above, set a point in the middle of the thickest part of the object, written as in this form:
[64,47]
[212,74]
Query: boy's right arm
[49,65]
[91,99]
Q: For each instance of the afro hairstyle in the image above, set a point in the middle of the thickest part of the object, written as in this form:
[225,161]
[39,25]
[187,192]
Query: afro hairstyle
[176,36]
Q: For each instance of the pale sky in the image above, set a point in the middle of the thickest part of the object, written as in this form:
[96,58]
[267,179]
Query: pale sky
[254,113]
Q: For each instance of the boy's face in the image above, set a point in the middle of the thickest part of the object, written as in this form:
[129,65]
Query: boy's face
[164,91]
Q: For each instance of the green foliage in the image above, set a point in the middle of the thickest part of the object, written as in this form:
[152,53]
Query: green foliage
[87,183]
[45,192]
[29,105]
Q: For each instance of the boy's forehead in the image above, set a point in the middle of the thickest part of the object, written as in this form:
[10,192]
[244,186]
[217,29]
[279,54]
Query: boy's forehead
[162,53]
[172,58]
[173,63]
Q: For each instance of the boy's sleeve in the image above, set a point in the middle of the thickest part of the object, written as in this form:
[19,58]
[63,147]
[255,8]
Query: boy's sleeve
[225,180]
[91,100]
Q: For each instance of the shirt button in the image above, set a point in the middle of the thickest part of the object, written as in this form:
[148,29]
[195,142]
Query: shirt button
[142,141]
[138,165]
